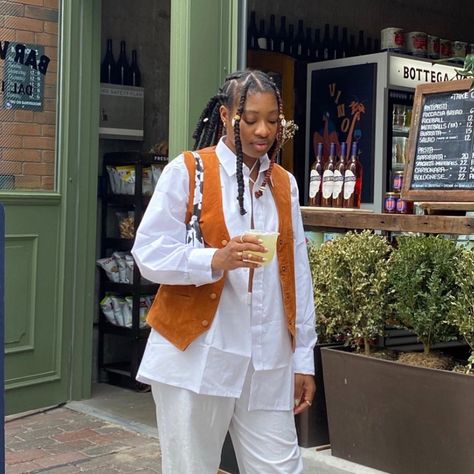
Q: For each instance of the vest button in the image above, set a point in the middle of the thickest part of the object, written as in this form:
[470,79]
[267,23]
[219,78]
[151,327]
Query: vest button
[213,296]
[205,322]
[283,268]
[224,242]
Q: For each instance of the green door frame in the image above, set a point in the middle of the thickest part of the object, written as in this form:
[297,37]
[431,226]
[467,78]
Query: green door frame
[78,158]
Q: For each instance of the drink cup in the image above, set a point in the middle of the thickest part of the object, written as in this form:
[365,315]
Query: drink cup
[269,240]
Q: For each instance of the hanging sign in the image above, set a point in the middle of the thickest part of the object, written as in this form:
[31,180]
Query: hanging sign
[24,70]
[440,164]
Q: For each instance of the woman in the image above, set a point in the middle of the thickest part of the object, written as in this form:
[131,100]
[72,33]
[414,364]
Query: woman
[231,345]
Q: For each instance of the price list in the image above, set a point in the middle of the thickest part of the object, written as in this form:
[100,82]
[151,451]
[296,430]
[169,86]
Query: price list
[444,154]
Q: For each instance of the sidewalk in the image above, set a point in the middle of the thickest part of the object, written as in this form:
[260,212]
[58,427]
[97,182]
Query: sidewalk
[64,441]
[114,431]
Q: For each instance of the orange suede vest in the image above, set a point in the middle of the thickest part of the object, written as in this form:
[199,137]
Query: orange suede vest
[181,313]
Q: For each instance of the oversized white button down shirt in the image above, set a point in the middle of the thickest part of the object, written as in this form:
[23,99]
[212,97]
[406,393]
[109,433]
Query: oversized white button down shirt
[245,329]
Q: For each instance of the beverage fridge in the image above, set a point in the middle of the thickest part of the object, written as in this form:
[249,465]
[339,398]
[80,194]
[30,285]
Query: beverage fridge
[368,100]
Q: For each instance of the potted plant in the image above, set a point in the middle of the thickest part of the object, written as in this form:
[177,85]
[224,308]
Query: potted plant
[462,310]
[400,418]
[423,282]
[343,271]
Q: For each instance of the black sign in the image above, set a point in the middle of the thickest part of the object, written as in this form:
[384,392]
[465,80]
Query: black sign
[441,149]
[25,66]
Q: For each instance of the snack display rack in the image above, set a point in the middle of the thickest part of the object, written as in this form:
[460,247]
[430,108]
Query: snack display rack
[120,347]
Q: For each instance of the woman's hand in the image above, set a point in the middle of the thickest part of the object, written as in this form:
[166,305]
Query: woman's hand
[305,389]
[235,254]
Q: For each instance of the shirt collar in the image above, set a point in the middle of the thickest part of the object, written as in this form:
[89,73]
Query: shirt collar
[228,159]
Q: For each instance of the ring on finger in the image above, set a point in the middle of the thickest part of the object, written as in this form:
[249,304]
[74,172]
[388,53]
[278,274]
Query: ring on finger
[242,239]
[240,255]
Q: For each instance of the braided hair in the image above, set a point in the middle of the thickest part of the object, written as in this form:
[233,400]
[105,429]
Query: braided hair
[235,90]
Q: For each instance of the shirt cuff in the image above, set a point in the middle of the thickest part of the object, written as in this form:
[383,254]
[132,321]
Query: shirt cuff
[199,267]
[303,361]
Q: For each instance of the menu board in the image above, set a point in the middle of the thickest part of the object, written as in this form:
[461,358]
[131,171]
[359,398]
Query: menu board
[440,164]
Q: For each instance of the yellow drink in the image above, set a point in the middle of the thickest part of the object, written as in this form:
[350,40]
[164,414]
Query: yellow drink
[269,240]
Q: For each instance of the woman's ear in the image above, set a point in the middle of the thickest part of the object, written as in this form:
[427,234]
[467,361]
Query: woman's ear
[224,114]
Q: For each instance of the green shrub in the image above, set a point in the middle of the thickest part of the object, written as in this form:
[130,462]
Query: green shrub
[423,280]
[350,287]
[462,310]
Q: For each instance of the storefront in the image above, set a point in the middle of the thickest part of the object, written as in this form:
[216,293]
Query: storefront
[52,149]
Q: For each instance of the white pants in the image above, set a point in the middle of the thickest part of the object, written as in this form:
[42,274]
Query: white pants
[192,429]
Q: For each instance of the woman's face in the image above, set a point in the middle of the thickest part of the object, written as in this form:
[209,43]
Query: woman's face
[258,124]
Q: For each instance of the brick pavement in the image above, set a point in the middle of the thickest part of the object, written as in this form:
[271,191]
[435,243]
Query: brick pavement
[64,441]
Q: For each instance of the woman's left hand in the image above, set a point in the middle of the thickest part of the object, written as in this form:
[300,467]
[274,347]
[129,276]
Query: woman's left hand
[305,389]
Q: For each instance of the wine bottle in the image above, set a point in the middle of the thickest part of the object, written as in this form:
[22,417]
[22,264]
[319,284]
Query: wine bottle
[352,46]
[289,43]
[107,68]
[122,69]
[353,180]
[308,44]
[369,47]
[261,36]
[135,77]
[339,169]
[315,178]
[282,37]
[299,42]
[326,44]
[272,34]
[316,49]
[328,178]
[360,44]
[344,47]
[252,32]
[336,46]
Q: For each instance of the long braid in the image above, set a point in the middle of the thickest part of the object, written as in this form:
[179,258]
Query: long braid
[238,148]
[275,148]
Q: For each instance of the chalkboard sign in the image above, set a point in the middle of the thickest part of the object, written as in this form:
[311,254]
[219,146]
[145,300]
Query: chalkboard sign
[440,165]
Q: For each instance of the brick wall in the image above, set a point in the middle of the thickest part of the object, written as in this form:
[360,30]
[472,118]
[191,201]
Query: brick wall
[27,137]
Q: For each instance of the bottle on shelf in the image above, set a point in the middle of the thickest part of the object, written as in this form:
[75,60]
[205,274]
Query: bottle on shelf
[261,36]
[339,169]
[122,69]
[316,47]
[135,78]
[289,43]
[353,180]
[336,46]
[326,44]
[344,47]
[328,178]
[272,34]
[282,36]
[299,41]
[369,48]
[352,46]
[308,44]
[360,49]
[252,32]
[107,68]
[315,178]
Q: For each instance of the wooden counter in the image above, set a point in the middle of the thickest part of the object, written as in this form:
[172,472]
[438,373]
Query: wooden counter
[329,219]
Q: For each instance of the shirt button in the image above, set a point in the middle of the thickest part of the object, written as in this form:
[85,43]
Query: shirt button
[205,322]
[224,242]
[283,268]
[213,296]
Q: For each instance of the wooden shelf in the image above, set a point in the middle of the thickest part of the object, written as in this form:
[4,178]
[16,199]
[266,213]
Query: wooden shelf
[319,219]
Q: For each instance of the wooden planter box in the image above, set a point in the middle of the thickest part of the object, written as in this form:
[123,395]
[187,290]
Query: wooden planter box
[398,418]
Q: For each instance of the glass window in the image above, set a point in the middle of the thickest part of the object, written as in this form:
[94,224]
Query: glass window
[29,40]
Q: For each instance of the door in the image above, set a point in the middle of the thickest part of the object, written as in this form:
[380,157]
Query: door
[48,157]
[204,49]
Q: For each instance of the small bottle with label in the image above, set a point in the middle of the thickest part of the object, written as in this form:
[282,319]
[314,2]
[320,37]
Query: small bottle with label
[328,178]
[339,168]
[315,178]
[353,180]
